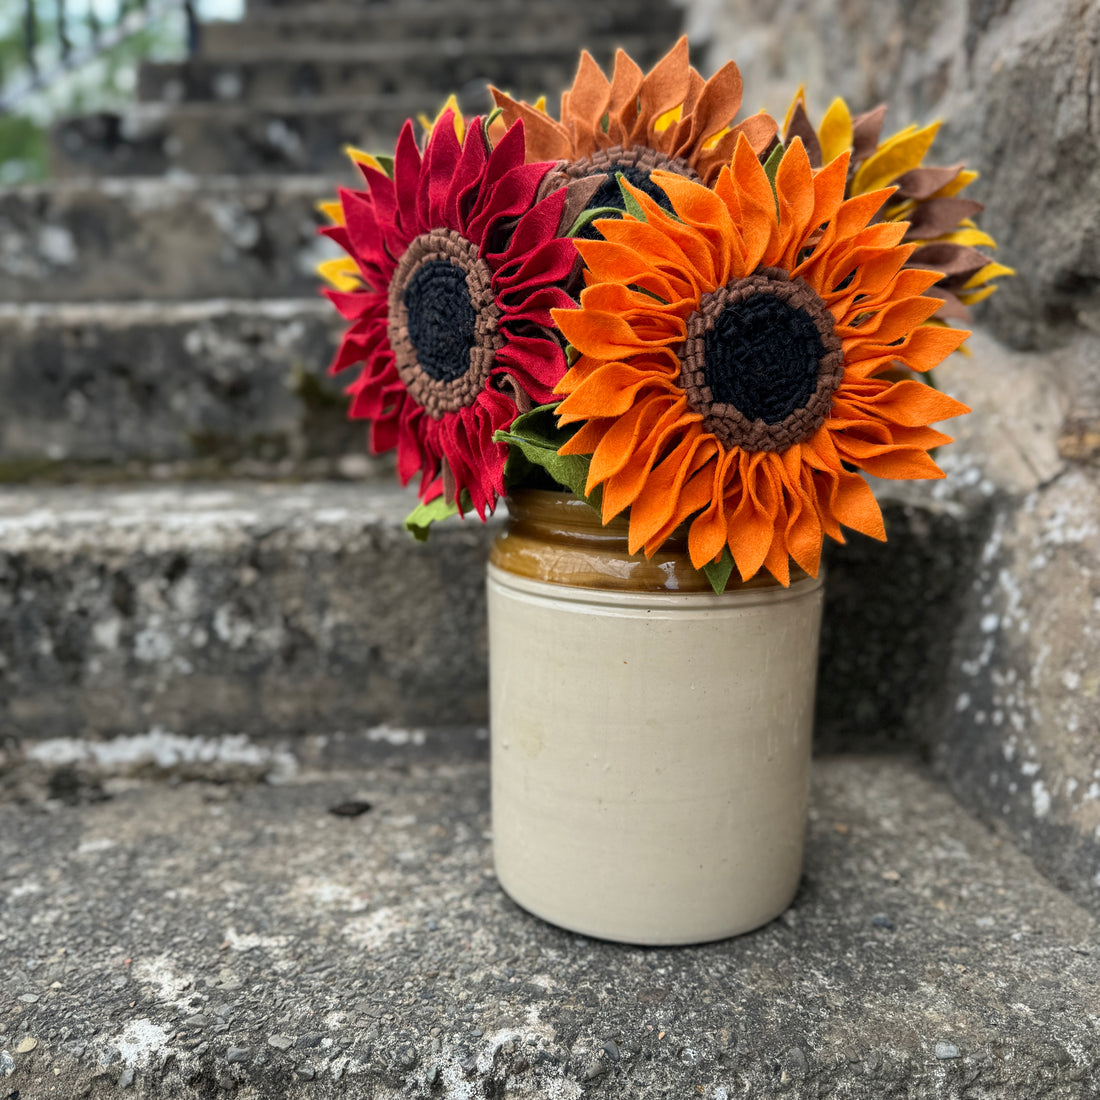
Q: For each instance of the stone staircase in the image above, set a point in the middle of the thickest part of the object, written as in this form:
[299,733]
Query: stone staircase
[204,575]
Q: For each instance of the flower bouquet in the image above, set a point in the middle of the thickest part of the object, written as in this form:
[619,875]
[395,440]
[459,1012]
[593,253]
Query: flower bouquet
[687,333]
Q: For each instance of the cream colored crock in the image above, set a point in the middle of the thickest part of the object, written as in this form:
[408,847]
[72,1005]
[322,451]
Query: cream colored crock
[650,748]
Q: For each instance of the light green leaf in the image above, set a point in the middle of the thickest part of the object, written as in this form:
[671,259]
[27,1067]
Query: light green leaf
[630,203]
[419,520]
[718,573]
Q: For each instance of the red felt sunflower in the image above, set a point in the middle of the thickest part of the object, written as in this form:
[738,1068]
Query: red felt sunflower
[731,364]
[454,268]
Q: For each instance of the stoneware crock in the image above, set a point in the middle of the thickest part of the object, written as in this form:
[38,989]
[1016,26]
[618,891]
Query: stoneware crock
[650,740]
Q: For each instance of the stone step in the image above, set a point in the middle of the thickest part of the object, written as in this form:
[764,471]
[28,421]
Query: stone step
[278,136]
[118,239]
[272,610]
[338,24]
[242,937]
[529,65]
[183,388]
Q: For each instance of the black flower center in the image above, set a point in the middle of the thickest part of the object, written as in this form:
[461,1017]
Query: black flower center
[441,319]
[443,322]
[636,165]
[610,193]
[763,356]
[761,361]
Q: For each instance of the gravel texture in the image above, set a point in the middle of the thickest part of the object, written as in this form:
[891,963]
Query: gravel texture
[201,940]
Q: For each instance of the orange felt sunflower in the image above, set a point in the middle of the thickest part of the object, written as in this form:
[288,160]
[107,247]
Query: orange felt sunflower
[635,123]
[731,357]
[927,197]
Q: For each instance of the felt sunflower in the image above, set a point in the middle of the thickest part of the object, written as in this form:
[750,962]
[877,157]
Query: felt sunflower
[451,272]
[634,123]
[730,364]
[940,222]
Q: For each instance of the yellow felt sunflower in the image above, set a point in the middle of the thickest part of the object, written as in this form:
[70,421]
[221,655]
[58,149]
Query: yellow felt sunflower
[940,221]
[731,363]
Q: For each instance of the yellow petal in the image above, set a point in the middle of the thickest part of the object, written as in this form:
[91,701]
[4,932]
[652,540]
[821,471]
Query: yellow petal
[835,131]
[342,273]
[894,158]
[359,157]
[663,122]
[451,104]
[990,271]
[969,298]
[968,237]
[332,210]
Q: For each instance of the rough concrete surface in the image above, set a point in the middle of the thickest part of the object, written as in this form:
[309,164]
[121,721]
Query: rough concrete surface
[164,239]
[212,384]
[207,940]
[260,609]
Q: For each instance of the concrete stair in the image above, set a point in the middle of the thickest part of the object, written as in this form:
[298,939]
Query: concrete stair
[415,68]
[203,575]
[241,937]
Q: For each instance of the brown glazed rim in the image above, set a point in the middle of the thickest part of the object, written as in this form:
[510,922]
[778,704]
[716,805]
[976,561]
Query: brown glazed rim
[557,538]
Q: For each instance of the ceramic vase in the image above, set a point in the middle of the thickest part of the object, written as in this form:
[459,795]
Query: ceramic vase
[651,740]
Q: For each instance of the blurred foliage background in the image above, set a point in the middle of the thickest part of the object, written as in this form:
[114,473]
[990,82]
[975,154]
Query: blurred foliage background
[104,81]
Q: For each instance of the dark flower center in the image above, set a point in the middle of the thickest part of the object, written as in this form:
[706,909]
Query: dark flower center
[443,321]
[761,361]
[610,193]
[636,165]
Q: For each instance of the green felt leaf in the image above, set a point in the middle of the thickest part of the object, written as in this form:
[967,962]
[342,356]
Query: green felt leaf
[536,438]
[587,217]
[771,168]
[418,522]
[385,163]
[718,573]
[490,118]
[630,203]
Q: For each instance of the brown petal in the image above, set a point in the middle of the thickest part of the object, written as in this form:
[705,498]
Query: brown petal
[626,85]
[666,85]
[545,139]
[956,261]
[923,183]
[801,127]
[718,103]
[937,216]
[865,133]
[590,94]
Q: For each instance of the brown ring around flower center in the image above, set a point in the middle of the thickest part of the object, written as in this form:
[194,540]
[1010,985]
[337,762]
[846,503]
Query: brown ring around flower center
[786,373]
[437,250]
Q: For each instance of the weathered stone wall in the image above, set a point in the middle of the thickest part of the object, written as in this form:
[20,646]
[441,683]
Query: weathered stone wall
[1017,82]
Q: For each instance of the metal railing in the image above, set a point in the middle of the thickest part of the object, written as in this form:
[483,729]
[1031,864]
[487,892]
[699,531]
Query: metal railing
[59,37]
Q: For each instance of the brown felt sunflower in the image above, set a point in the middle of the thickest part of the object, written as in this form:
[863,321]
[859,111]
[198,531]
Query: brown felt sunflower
[634,123]
[731,363]
[940,221]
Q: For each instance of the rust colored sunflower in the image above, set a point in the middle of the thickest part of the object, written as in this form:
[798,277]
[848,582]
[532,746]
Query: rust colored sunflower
[730,364]
[635,123]
[453,266]
[927,197]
